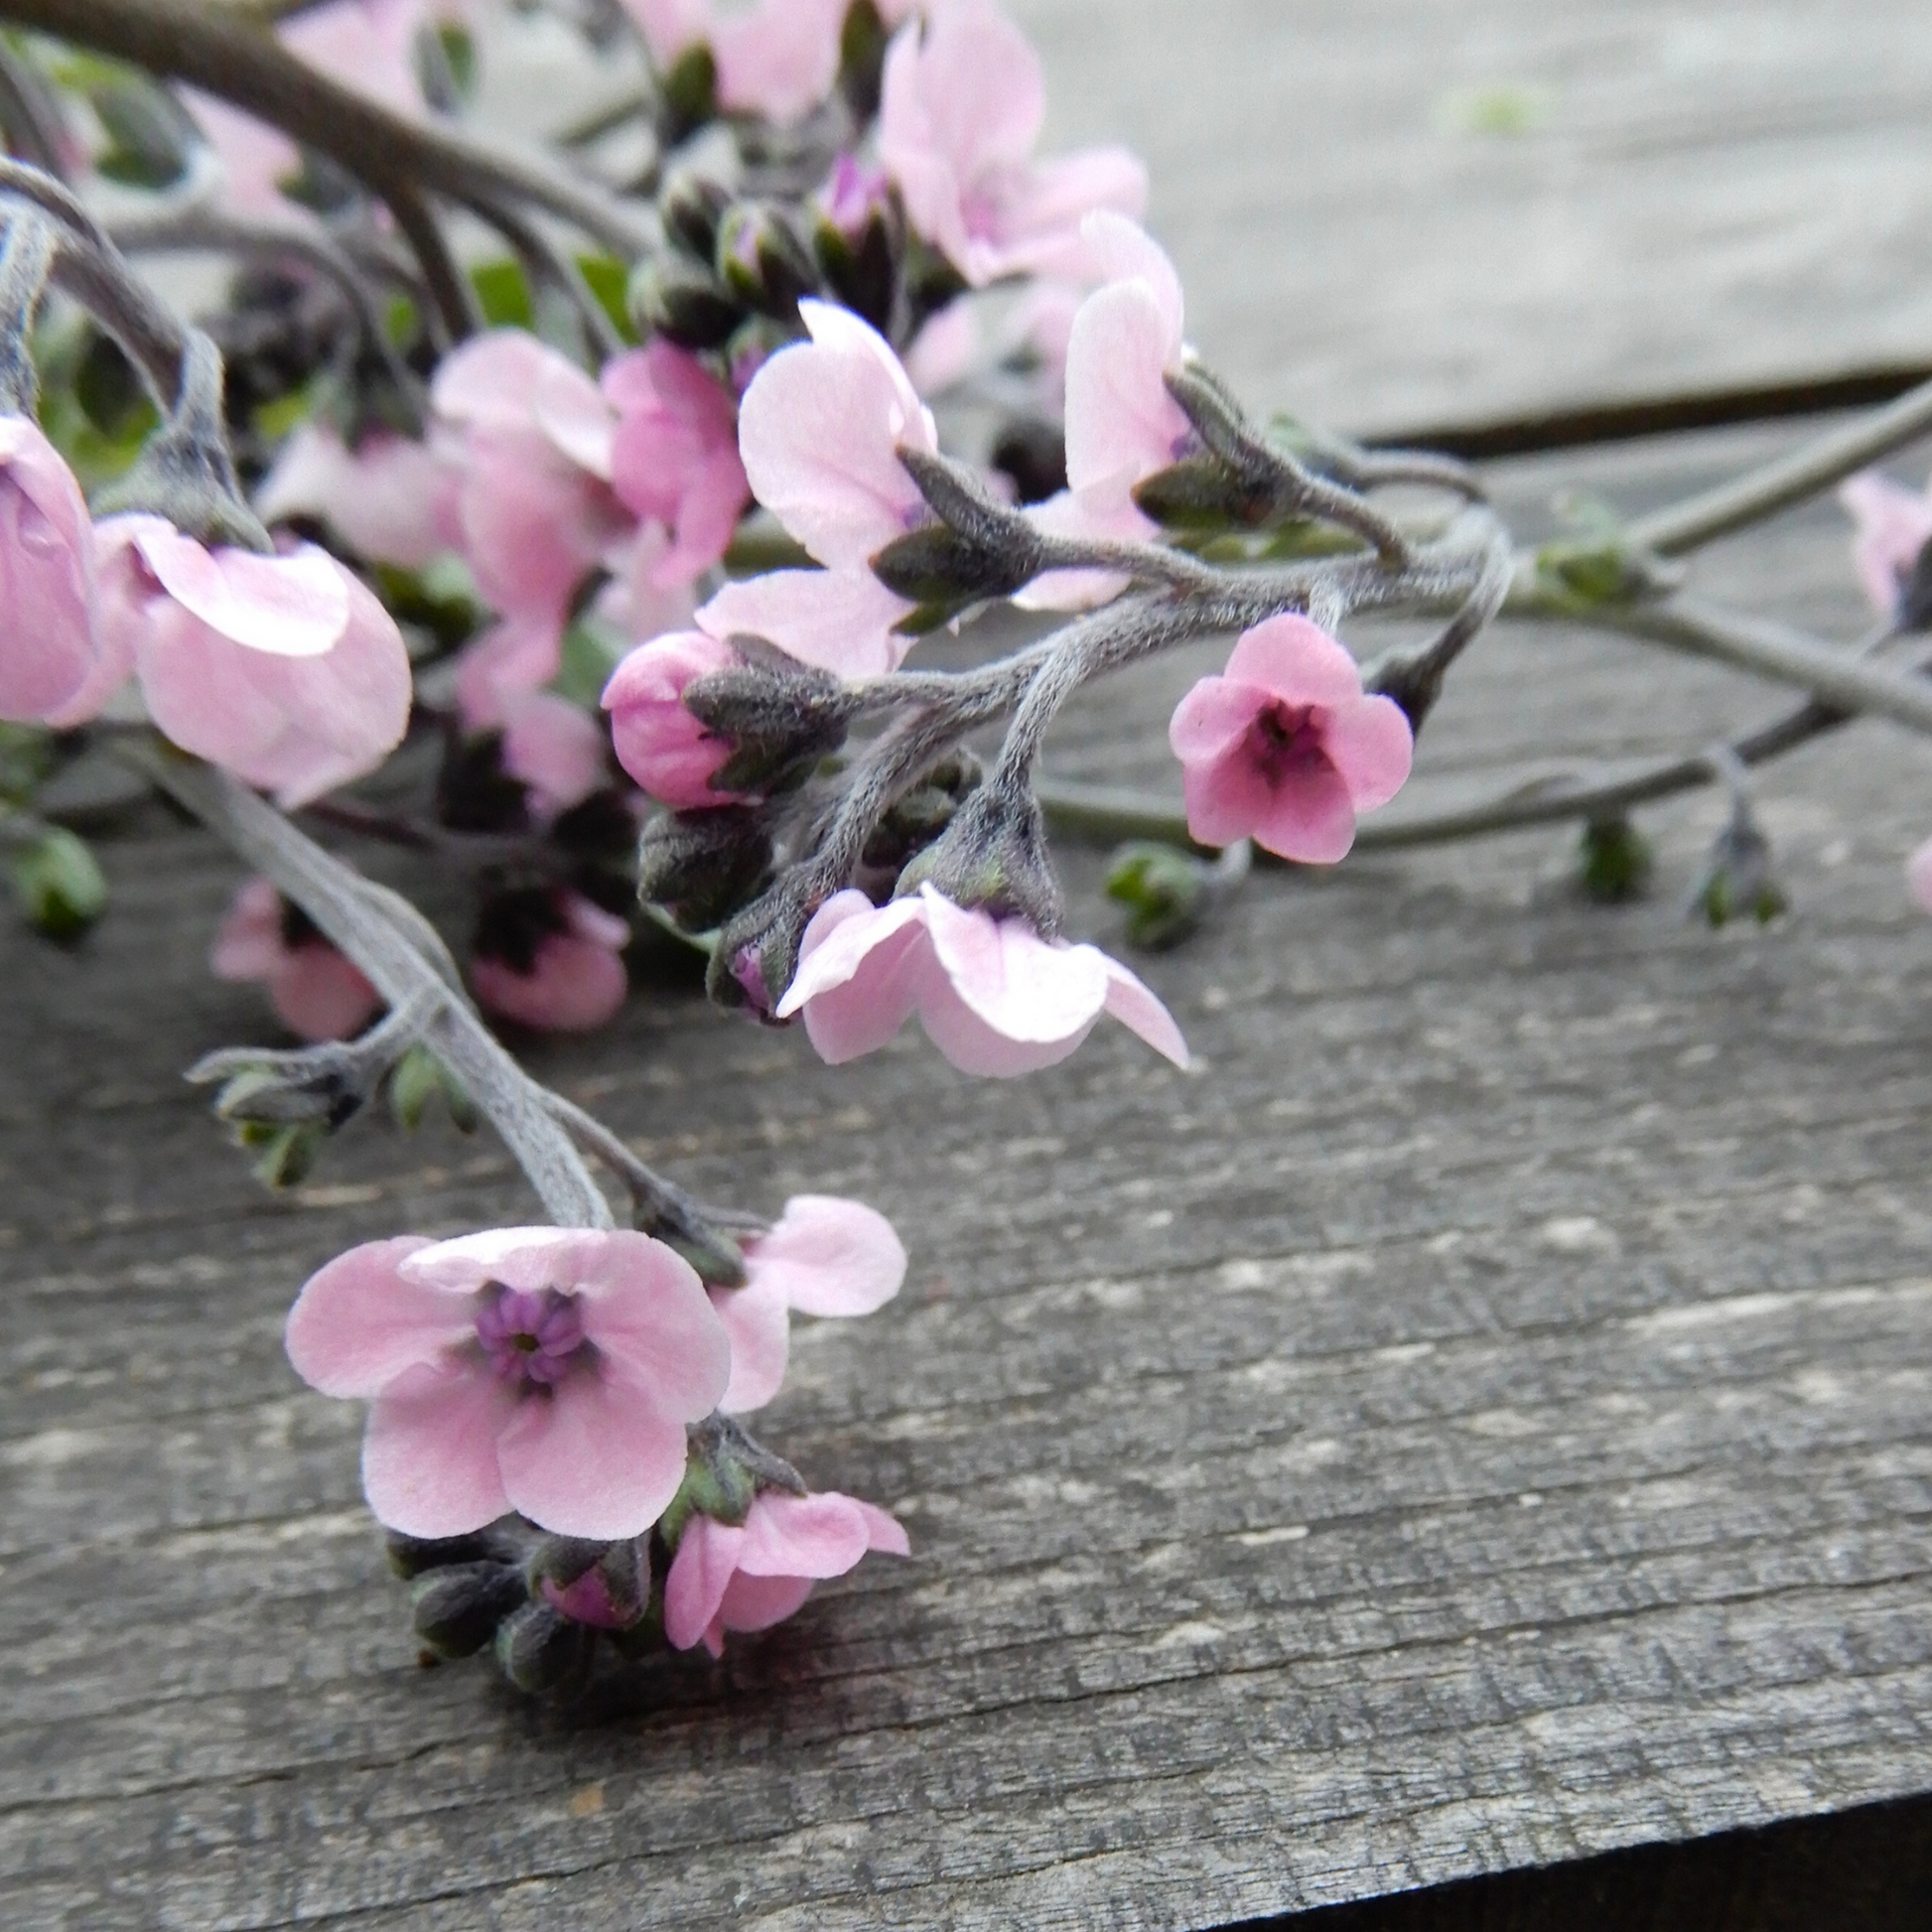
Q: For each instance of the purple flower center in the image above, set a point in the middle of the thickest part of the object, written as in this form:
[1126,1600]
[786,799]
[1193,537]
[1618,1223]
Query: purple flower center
[531,1339]
[1285,740]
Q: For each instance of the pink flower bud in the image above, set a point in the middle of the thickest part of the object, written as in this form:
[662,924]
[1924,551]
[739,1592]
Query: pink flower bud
[659,743]
[53,663]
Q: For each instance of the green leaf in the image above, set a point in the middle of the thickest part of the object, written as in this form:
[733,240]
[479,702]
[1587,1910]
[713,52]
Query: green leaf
[610,281]
[590,655]
[59,887]
[504,293]
[1613,861]
[418,1078]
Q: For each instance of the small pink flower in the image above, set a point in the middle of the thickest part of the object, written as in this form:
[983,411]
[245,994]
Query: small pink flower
[555,750]
[658,741]
[54,661]
[748,1576]
[546,1370]
[390,499]
[1893,527]
[994,997]
[777,58]
[1285,748]
[552,961]
[284,670]
[826,1256]
[960,110]
[315,992]
[674,460]
[530,438]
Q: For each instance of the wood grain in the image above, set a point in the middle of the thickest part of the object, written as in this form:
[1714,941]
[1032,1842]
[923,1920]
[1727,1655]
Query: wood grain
[1478,1418]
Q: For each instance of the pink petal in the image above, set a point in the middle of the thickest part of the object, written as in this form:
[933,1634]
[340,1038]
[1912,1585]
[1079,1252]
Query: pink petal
[700,1573]
[646,1310]
[802,1535]
[555,749]
[292,606]
[1214,718]
[886,1534]
[533,525]
[574,985]
[758,1603]
[54,650]
[860,975]
[1295,661]
[491,381]
[841,621]
[359,1324]
[780,59]
[1122,424]
[829,1257]
[571,411]
[758,1327]
[1023,987]
[504,663]
[1139,1011]
[318,994]
[1370,743]
[596,1458]
[1310,818]
[249,945]
[430,1456]
[528,1259]
[391,500]
[1040,224]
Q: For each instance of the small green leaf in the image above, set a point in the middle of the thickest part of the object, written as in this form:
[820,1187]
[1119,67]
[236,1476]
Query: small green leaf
[1613,861]
[1164,889]
[504,293]
[418,1078]
[609,280]
[59,887]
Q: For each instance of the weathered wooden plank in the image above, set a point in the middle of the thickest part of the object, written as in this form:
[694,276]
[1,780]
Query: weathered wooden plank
[1478,1418]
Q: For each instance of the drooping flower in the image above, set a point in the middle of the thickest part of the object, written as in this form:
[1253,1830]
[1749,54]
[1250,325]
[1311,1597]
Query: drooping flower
[960,111]
[554,750]
[777,58]
[751,1575]
[52,651]
[286,670]
[1894,527]
[820,430]
[826,1256]
[390,499]
[317,993]
[1285,748]
[994,997]
[529,437]
[674,459]
[546,1370]
[658,741]
[549,959]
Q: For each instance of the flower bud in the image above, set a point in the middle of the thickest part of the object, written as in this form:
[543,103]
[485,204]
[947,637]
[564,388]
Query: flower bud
[457,1608]
[604,1586]
[418,1078]
[692,206]
[1165,890]
[1737,880]
[412,1556]
[757,955]
[682,304]
[1613,861]
[762,262]
[921,815]
[689,90]
[266,1096]
[539,1648]
[856,241]
[725,1472]
[863,40]
[992,856]
[778,716]
[664,746]
[702,867]
[1199,494]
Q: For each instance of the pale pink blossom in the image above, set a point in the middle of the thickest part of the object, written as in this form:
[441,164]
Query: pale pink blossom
[674,459]
[993,995]
[547,1370]
[751,1575]
[557,967]
[286,670]
[1893,526]
[658,741]
[390,499]
[54,661]
[826,1256]
[841,621]
[775,58]
[530,439]
[315,992]
[554,750]
[960,111]
[1285,748]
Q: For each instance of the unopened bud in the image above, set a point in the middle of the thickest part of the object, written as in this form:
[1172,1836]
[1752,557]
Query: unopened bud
[1613,861]
[540,1649]
[763,262]
[862,58]
[757,955]
[704,865]
[413,1556]
[994,855]
[692,206]
[1737,880]
[689,88]
[265,1096]
[724,1471]
[457,1608]
[285,1156]
[1165,890]
[683,304]
[605,1586]
[778,716]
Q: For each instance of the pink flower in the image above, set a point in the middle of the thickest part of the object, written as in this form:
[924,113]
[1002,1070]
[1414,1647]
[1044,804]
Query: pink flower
[389,500]
[1284,748]
[777,57]
[555,750]
[748,1576]
[286,670]
[546,1370]
[674,459]
[820,430]
[530,438]
[659,743]
[315,992]
[505,663]
[52,654]
[994,997]
[960,110]
[826,1256]
[550,960]
[1893,526]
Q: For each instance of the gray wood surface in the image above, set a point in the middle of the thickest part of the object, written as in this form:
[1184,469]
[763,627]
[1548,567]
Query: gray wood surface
[1477,1417]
